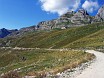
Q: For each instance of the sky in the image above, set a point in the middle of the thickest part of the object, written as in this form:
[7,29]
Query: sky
[15,14]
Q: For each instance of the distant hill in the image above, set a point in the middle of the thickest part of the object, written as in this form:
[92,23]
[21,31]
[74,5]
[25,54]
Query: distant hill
[4,32]
[7,33]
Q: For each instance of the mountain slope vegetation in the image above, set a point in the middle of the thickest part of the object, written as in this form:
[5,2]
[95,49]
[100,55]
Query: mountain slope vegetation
[33,62]
[75,37]
[95,40]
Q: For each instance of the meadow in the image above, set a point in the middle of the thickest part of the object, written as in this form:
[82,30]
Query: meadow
[89,36]
[38,62]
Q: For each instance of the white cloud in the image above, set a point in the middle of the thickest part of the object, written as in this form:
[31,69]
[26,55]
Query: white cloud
[59,6]
[90,6]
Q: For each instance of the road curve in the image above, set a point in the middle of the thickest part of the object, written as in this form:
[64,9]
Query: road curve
[96,69]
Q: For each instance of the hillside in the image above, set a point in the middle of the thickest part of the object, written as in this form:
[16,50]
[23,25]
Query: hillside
[95,40]
[49,47]
[40,61]
[58,48]
[75,37]
[67,20]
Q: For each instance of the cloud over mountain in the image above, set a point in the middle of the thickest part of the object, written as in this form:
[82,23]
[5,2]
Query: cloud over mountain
[59,6]
[90,6]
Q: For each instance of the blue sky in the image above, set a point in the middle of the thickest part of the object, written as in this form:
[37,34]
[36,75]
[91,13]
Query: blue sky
[15,14]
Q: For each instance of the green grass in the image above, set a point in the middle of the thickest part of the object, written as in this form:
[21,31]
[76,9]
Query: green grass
[41,60]
[61,38]
[95,41]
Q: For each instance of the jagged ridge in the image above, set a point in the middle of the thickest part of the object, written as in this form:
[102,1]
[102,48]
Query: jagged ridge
[70,19]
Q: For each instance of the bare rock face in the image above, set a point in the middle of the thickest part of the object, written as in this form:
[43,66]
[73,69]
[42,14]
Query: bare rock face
[61,22]
[100,15]
[66,17]
[67,20]
[26,29]
[70,19]
[46,25]
[81,17]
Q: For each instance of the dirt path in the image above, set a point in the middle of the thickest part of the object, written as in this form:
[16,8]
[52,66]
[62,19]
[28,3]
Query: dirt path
[96,69]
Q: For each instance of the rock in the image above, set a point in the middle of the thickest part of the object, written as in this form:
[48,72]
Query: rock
[61,22]
[46,25]
[26,29]
[70,19]
[81,17]
[67,20]
[100,15]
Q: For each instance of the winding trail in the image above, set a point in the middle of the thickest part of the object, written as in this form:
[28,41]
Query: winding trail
[96,69]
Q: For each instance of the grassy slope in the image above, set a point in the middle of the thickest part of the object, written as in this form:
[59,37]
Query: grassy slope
[61,38]
[95,40]
[78,37]
[41,60]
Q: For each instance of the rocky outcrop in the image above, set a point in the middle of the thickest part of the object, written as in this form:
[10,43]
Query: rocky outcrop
[81,17]
[46,25]
[26,29]
[67,20]
[61,22]
[70,19]
[100,15]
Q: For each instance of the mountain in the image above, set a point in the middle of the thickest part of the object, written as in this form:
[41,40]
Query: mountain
[26,29]
[70,19]
[4,32]
[74,37]
[51,45]
[100,15]
[23,31]
[14,33]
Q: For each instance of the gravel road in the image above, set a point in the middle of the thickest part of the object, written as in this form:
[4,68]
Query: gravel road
[96,69]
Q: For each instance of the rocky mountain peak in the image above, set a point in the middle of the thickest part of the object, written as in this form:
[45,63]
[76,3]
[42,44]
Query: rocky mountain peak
[100,10]
[68,14]
[81,17]
[100,15]
[69,19]
[82,11]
